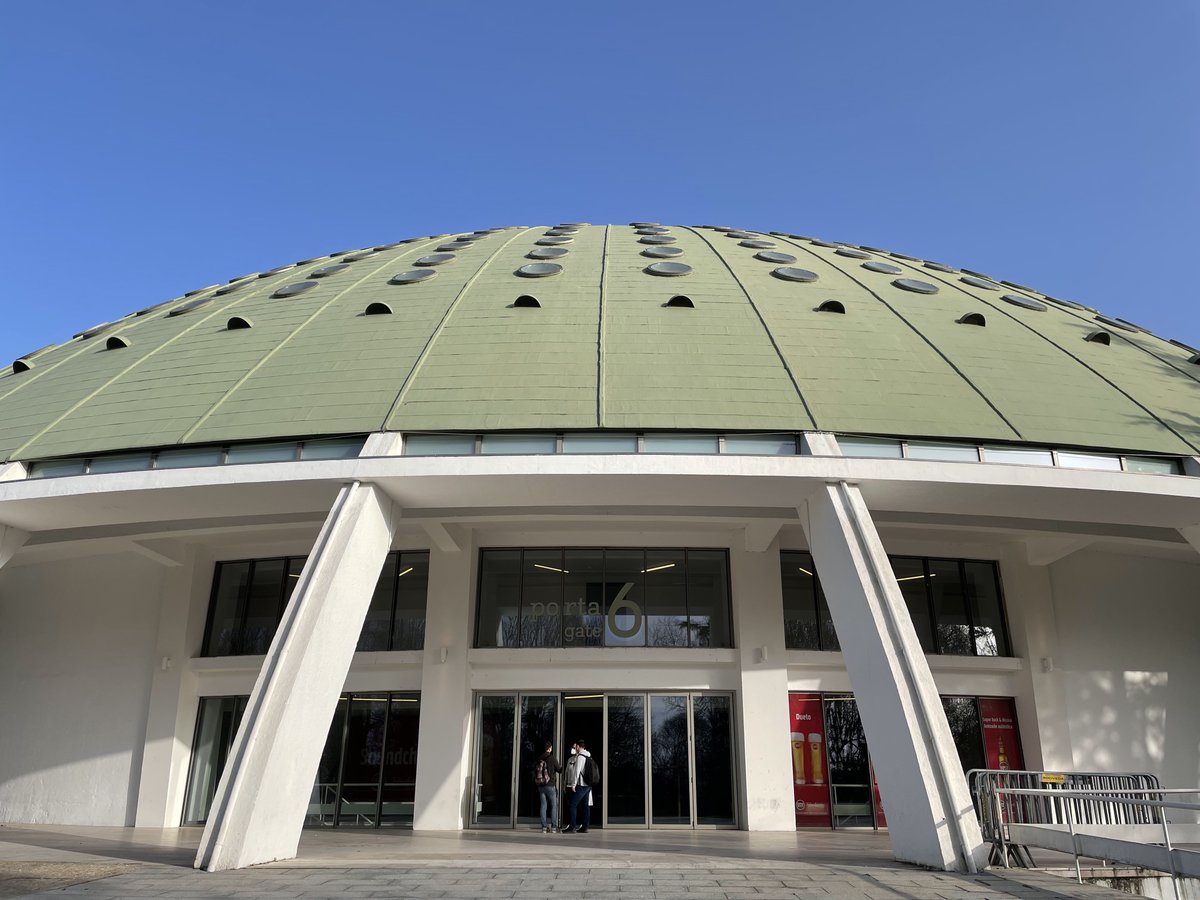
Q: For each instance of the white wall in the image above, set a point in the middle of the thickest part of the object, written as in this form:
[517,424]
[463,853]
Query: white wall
[77,641]
[1129,662]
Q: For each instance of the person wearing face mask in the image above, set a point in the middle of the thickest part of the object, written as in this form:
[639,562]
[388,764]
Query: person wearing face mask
[581,775]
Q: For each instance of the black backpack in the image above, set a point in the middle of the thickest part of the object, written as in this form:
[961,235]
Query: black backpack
[591,771]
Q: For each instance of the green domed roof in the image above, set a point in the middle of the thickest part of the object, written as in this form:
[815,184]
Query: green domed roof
[921,349]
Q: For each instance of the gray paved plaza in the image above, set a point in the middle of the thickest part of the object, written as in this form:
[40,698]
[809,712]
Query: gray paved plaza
[622,865]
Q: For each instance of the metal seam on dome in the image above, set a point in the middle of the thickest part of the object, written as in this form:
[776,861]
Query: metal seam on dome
[1054,343]
[600,330]
[766,329]
[278,347]
[1003,418]
[419,362]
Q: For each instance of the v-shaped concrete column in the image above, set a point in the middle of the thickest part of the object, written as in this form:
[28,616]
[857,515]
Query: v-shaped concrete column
[930,818]
[262,798]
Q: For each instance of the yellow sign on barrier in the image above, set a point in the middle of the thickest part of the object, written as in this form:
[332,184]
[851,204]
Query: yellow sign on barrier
[1053,778]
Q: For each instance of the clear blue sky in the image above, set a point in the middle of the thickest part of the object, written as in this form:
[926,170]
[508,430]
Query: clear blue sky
[150,148]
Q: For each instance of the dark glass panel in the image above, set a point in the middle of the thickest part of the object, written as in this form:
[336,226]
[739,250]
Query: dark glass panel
[361,762]
[849,764]
[216,727]
[412,593]
[541,598]
[377,627]
[949,608]
[263,604]
[712,725]
[914,586]
[539,724]
[799,601]
[400,760]
[624,600]
[295,567]
[829,638]
[962,714]
[493,799]
[228,608]
[708,599]
[987,616]
[666,599]
[322,805]
[625,779]
[583,598]
[499,598]
[669,786]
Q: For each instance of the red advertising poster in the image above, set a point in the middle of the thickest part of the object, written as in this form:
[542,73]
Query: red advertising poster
[810,768]
[880,818]
[1001,740]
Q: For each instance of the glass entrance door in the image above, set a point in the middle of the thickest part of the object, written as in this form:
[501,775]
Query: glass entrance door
[511,732]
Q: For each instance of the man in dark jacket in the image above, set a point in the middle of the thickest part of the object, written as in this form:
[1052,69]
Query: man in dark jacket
[545,777]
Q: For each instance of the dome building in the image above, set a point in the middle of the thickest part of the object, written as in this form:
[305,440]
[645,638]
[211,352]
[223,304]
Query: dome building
[792,533]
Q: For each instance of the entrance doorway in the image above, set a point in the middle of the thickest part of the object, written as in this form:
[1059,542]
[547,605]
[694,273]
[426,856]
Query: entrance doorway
[666,759]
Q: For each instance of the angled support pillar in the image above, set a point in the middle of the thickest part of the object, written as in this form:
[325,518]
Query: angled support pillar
[262,798]
[11,540]
[930,817]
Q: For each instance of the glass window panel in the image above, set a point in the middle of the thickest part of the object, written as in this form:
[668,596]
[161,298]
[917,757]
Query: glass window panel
[263,605]
[761,444]
[962,714]
[518,443]
[539,726]
[950,608]
[541,598]
[1089,461]
[361,763]
[712,726]
[624,598]
[499,598]
[875,447]
[439,444]
[295,567]
[377,627]
[799,601]
[987,616]
[829,638]
[125,462]
[339,448]
[1151,465]
[260,453]
[227,609]
[599,442]
[679,443]
[708,599]
[625,780]
[412,595]
[666,599]
[400,760]
[669,787]
[54,468]
[322,805]
[1021,456]
[494,786]
[188,457]
[216,727]
[583,598]
[937,451]
[914,586]
[849,764]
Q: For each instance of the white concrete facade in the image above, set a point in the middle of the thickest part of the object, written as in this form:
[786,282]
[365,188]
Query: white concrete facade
[103,609]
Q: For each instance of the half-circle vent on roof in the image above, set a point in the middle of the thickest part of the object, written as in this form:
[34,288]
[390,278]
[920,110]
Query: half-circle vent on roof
[116,342]
[832,306]
[377,309]
[22,366]
[1194,360]
[972,319]
[237,323]
[525,301]
[1099,337]
[679,301]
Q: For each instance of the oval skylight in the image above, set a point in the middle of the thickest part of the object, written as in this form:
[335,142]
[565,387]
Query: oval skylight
[986,283]
[188,307]
[434,259]
[657,239]
[739,235]
[885,268]
[413,277]
[917,287]
[771,256]
[789,273]
[539,270]
[451,247]
[652,229]
[326,271]
[547,253]
[939,267]
[668,268]
[361,254]
[1025,302]
[292,290]
[662,252]
[852,253]
[552,241]
[276,271]
[817,243]
[1118,323]
[756,245]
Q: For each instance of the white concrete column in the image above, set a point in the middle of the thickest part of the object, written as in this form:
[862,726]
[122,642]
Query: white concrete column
[443,753]
[11,540]
[930,817]
[1041,706]
[764,735]
[261,801]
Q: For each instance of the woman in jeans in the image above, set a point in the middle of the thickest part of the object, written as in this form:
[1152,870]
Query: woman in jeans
[545,776]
